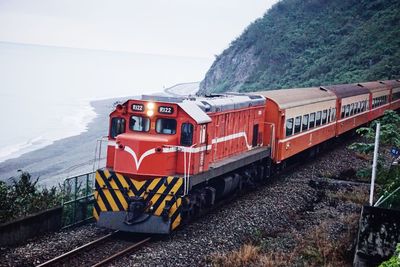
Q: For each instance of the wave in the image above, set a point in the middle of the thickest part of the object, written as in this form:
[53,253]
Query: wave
[71,123]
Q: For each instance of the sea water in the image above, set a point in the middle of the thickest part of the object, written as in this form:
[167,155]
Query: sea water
[45,92]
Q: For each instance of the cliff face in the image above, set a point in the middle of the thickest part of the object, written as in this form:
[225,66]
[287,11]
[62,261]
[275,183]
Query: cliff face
[311,42]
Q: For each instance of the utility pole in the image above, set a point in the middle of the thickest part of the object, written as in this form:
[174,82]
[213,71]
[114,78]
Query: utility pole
[374,163]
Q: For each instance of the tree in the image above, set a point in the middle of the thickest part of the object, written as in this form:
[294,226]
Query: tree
[388,174]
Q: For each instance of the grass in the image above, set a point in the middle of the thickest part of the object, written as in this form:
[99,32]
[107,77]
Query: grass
[328,243]
[357,195]
[315,248]
[250,255]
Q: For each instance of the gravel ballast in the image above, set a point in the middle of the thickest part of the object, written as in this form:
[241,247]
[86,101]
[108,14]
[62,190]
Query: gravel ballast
[292,201]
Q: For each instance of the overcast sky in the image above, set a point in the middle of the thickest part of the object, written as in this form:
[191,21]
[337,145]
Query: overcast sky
[201,28]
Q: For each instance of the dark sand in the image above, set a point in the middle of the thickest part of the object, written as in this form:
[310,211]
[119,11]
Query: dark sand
[66,157]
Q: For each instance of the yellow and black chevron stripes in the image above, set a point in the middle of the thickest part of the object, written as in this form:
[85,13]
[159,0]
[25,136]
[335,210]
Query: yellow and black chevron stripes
[112,191]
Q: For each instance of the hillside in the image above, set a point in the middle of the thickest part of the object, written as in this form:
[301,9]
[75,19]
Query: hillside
[300,43]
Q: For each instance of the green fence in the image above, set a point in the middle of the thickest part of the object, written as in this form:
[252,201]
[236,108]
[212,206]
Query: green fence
[78,199]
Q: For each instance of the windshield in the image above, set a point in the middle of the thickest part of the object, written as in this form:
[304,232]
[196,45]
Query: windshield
[139,124]
[166,126]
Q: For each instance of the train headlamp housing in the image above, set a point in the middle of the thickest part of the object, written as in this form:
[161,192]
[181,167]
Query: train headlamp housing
[150,106]
[150,113]
[150,109]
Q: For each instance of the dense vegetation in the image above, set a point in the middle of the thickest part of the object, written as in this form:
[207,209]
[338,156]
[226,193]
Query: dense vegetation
[301,43]
[394,261]
[388,173]
[23,197]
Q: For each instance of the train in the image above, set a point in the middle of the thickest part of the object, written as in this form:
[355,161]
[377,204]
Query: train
[169,159]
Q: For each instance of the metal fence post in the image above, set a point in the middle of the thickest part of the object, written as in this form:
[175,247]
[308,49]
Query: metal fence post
[374,164]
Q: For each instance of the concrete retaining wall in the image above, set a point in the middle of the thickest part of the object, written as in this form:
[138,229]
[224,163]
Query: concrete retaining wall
[378,235]
[18,231]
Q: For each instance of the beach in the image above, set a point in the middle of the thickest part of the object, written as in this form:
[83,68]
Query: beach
[74,155]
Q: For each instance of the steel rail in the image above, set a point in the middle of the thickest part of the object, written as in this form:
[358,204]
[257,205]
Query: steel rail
[121,253]
[75,250]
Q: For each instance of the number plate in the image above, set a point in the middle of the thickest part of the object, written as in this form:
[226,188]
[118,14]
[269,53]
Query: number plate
[137,107]
[165,110]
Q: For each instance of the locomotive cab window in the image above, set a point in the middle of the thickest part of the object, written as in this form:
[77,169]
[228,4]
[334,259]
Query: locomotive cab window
[186,134]
[139,124]
[166,126]
[289,127]
[117,126]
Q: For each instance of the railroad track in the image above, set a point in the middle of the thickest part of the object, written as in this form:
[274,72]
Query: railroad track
[99,252]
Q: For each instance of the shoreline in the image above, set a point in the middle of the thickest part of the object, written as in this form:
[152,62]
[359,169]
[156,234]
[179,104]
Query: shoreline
[65,157]
[75,154]
[80,122]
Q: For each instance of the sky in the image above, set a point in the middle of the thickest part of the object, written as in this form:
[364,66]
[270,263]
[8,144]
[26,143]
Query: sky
[202,28]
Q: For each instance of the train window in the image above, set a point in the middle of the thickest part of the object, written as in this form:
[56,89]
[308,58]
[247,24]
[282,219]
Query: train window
[324,116]
[318,118]
[117,126]
[166,126]
[359,107]
[139,124]
[333,114]
[289,127]
[347,110]
[186,134]
[343,109]
[312,120]
[297,124]
[351,109]
[330,117]
[305,123]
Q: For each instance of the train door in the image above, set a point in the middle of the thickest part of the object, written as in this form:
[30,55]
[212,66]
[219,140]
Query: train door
[254,142]
[203,142]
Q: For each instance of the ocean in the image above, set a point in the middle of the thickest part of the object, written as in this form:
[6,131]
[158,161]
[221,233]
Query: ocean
[46,91]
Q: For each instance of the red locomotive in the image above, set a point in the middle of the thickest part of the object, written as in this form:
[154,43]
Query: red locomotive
[170,158]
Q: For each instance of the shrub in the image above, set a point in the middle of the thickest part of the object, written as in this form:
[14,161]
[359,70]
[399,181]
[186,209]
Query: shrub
[24,196]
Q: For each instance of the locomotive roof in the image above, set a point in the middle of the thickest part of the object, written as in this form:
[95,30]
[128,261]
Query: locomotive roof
[288,98]
[213,103]
[198,107]
[346,90]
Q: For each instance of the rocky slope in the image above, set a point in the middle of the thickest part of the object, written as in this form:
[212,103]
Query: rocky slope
[308,43]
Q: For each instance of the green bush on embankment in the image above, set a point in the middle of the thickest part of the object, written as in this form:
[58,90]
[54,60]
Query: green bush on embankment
[24,197]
